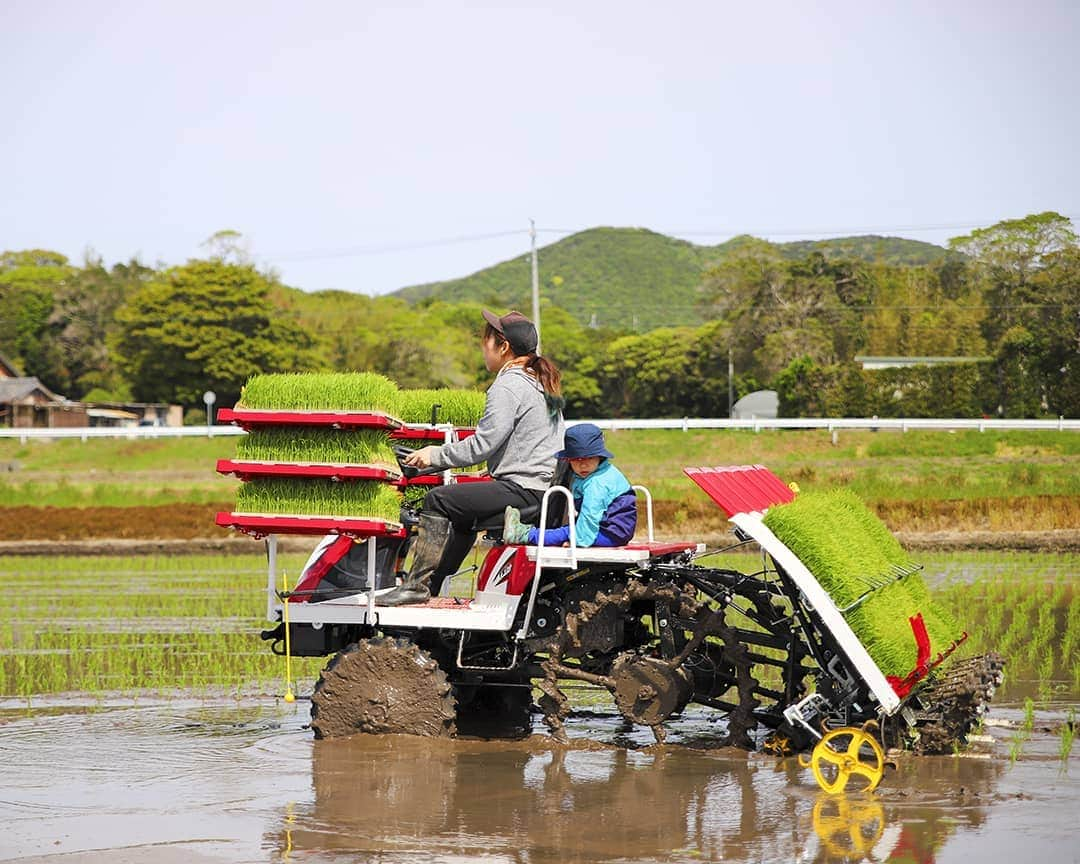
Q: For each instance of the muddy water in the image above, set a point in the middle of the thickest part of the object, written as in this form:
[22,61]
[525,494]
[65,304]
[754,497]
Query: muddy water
[182,781]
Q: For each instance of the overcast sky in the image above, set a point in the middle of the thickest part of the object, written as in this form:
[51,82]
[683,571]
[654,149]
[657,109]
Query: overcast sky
[368,145]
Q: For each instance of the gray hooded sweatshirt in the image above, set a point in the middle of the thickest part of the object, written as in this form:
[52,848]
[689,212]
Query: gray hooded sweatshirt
[517,436]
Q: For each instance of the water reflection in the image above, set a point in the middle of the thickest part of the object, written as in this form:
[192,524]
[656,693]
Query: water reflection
[406,799]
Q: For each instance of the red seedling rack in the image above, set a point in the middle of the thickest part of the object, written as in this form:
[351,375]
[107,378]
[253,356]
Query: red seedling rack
[249,418]
[260,525]
[246,469]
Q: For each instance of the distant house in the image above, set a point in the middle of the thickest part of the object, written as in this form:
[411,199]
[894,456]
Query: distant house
[26,403]
[134,414]
[869,362]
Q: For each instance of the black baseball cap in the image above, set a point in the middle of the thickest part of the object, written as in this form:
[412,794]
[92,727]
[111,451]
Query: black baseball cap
[518,331]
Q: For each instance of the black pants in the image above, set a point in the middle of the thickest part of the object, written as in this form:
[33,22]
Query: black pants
[473,507]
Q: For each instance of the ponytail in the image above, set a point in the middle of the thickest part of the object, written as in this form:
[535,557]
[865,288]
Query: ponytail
[547,373]
[549,377]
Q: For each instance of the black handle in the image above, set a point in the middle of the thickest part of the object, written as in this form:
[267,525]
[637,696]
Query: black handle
[408,471]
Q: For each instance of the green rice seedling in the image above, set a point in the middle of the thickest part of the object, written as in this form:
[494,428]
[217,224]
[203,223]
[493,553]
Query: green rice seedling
[1070,640]
[860,565]
[458,407]
[329,391]
[1016,745]
[319,498]
[315,444]
[1029,717]
[1068,734]
[1041,641]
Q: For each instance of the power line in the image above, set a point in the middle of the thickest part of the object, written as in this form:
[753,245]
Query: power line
[347,252]
[389,248]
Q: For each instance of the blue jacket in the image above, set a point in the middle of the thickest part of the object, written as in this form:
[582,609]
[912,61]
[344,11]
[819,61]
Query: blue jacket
[606,508]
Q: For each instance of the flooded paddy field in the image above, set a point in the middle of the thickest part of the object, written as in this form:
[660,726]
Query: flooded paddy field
[245,781]
[141,720]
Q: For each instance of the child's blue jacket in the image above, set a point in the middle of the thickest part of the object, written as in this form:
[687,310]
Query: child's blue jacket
[606,508]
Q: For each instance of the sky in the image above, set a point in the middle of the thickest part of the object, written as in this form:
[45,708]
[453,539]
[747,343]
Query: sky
[367,146]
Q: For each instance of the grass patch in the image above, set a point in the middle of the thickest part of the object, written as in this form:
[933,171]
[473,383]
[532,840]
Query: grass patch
[1033,485]
[75,459]
[319,497]
[63,493]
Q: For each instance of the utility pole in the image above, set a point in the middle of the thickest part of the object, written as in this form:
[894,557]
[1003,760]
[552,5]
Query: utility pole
[535,284]
[730,384]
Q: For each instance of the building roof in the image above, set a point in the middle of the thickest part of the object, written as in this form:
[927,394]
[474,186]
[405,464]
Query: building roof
[14,389]
[918,361]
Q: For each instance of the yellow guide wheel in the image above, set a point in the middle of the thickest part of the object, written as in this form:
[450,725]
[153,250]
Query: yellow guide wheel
[844,753]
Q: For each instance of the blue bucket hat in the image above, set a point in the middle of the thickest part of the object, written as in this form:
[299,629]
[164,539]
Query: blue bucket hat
[582,441]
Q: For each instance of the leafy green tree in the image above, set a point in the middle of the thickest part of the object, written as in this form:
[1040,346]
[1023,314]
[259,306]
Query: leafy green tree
[206,325]
[29,282]
[646,375]
[1025,270]
[82,319]
[783,309]
[1007,255]
[1055,330]
[577,351]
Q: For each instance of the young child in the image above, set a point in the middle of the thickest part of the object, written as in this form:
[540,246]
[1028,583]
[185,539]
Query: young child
[605,503]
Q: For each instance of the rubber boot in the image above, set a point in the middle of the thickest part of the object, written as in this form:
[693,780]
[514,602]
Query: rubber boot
[432,538]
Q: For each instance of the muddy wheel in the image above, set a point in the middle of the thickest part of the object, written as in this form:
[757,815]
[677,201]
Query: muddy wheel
[495,711]
[382,686]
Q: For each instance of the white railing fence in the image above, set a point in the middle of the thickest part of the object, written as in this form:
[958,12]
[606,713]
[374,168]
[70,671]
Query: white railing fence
[685,424]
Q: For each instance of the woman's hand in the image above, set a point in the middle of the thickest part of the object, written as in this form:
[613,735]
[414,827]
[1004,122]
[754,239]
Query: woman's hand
[421,458]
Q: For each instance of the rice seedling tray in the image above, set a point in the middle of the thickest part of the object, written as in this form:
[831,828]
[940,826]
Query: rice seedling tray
[244,469]
[248,418]
[407,433]
[259,525]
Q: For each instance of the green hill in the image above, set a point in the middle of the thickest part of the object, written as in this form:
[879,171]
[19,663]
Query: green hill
[870,247]
[633,278]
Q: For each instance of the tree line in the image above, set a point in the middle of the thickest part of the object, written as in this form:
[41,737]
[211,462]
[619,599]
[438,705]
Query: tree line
[1009,298]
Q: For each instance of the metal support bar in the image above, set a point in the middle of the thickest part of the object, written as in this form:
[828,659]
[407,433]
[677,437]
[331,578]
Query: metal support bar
[648,508]
[559,490]
[271,576]
[371,617]
[461,664]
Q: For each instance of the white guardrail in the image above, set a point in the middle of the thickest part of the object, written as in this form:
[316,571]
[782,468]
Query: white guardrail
[685,424]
